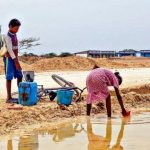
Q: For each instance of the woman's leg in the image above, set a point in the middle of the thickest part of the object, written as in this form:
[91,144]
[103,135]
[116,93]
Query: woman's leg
[108,106]
[88,109]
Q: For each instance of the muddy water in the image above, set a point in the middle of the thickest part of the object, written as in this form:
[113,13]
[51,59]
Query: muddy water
[97,133]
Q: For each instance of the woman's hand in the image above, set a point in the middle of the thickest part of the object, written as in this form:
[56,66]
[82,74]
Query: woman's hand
[126,113]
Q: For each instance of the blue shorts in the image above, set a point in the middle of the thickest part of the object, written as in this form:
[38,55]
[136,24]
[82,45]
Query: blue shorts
[10,69]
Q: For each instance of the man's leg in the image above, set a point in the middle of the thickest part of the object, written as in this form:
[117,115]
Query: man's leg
[9,72]
[8,88]
[18,81]
[108,106]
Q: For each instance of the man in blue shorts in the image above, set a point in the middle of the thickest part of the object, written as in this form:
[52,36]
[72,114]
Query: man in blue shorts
[11,62]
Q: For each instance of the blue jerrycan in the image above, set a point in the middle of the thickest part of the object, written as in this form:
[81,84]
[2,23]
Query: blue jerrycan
[27,93]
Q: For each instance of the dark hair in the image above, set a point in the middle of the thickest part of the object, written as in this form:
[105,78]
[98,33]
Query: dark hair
[95,66]
[117,74]
[14,23]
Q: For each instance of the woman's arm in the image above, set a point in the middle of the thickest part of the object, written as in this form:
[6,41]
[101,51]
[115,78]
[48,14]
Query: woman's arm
[119,97]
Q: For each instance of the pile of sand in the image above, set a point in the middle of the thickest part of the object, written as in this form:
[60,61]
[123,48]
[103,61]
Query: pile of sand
[47,112]
[78,63]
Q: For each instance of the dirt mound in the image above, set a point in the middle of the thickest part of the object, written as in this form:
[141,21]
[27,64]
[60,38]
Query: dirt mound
[136,97]
[68,63]
[24,65]
[143,89]
[29,59]
[78,63]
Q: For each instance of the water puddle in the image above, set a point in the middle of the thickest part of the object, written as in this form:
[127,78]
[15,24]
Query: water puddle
[98,133]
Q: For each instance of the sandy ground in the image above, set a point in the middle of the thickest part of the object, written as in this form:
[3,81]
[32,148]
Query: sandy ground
[131,77]
[135,92]
[47,113]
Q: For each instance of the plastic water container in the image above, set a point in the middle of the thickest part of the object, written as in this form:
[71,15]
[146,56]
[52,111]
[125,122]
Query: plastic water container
[64,96]
[27,93]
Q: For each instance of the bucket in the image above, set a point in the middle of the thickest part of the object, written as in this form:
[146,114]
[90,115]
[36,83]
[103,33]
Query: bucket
[28,76]
[64,96]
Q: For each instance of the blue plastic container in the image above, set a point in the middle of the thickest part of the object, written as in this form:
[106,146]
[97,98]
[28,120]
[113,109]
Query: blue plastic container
[64,96]
[27,93]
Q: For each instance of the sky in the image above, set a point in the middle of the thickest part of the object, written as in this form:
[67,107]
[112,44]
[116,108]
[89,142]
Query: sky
[77,25]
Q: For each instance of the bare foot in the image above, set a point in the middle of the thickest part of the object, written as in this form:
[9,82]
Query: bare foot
[15,107]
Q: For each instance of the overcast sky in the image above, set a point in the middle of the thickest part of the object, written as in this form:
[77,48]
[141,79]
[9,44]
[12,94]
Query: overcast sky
[76,25]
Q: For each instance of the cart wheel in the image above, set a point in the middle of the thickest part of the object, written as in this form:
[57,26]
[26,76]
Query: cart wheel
[64,83]
[61,81]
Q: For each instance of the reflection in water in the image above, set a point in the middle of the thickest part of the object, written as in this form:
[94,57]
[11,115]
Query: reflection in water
[9,145]
[30,142]
[27,142]
[67,131]
[61,133]
[97,142]
[117,146]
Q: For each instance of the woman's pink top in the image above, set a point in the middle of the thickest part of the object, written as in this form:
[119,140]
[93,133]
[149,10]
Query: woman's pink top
[97,83]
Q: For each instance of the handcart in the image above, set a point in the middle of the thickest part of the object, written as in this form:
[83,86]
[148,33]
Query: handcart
[63,84]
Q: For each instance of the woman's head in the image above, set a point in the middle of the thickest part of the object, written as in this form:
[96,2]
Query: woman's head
[117,74]
[95,66]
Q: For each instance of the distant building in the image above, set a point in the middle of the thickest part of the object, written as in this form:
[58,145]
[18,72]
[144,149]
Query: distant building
[127,53]
[108,54]
[145,53]
[97,53]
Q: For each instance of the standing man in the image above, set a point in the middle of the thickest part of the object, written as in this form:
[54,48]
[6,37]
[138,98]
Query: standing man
[11,62]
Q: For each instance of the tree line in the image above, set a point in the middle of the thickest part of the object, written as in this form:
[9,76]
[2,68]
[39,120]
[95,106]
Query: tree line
[28,43]
[49,55]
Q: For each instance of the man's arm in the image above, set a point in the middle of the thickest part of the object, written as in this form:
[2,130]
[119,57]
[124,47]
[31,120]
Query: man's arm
[9,46]
[11,52]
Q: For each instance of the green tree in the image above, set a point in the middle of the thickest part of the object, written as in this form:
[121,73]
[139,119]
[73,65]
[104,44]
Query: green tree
[65,54]
[29,54]
[28,43]
[49,55]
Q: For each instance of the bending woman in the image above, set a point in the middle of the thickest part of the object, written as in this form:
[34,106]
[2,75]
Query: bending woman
[97,83]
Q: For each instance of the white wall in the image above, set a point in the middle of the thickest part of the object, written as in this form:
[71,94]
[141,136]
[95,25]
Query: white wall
[138,54]
[82,55]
